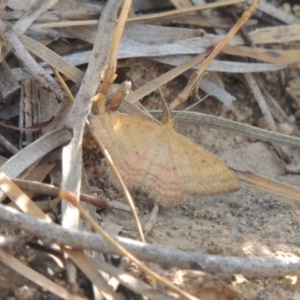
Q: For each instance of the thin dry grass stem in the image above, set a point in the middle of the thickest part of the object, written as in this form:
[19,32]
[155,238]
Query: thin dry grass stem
[63,84]
[278,112]
[191,85]
[152,219]
[260,99]
[68,24]
[108,78]
[264,107]
[47,189]
[142,18]
[122,185]
[267,185]
[122,251]
[184,10]
[118,33]
[110,72]
[163,79]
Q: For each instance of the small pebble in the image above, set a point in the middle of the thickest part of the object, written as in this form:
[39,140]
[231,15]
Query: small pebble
[239,139]
[287,7]
[24,293]
[285,128]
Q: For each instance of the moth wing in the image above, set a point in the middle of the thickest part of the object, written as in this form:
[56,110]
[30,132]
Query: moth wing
[129,141]
[200,171]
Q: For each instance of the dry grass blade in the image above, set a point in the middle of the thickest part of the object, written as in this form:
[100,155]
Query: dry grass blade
[87,265]
[269,186]
[27,19]
[237,128]
[23,159]
[33,68]
[36,277]
[224,66]
[272,56]
[278,13]
[76,119]
[86,91]
[10,84]
[52,59]
[261,101]
[20,198]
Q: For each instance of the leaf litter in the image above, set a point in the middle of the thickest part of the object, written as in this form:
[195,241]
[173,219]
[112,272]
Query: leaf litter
[247,223]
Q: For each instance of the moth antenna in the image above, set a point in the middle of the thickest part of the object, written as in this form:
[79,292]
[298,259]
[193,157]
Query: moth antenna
[141,106]
[166,110]
[193,105]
